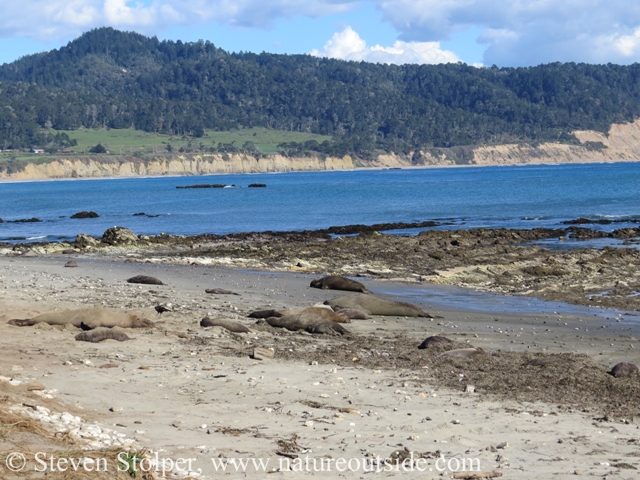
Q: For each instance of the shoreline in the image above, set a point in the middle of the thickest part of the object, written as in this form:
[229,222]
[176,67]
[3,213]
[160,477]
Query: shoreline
[186,391]
[504,261]
[371,168]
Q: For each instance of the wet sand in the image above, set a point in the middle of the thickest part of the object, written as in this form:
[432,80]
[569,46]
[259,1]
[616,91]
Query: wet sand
[196,393]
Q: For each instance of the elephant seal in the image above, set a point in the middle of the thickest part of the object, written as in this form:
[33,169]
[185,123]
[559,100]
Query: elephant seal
[373,305]
[435,341]
[324,314]
[89,318]
[71,264]
[624,369]
[336,282]
[464,353]
[265,314]
[220,291]
[299,321]
[100,334]
[145,279]
[232,326]
[352,313]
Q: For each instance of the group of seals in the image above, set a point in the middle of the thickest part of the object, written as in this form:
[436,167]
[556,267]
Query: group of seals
[86,318]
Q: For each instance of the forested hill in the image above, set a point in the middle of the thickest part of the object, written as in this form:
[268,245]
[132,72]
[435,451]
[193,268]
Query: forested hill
[120,79]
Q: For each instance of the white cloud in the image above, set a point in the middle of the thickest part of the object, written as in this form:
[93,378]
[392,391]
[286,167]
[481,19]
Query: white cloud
[347,45]
[516,32]
[527,32]
[46,20]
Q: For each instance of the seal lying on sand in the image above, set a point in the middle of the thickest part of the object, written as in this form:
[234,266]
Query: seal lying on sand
[230,325]
[89,317]
[220,291]
[145,279]
[336,282]
[265,314]
[323,314]
[435,341]
[352,313]
[464,353]
[100,334]
[300,321]
[378,306]
[624,369]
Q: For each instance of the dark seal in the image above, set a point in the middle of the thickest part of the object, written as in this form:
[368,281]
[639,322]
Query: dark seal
[435,341]
[624,369]
[145,279]
[336,282]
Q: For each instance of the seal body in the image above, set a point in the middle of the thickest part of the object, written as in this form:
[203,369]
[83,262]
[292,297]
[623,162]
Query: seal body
[378,306]
[87,318]
[145,279]
[100,334]
[265,314]
[435,341]
[464,353]
[624,369]
[230,325]
[336,282]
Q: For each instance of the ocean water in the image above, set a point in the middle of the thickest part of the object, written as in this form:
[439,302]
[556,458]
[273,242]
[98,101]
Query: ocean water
[490,197]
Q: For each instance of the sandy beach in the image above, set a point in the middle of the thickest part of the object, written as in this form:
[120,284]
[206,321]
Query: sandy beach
[325,406]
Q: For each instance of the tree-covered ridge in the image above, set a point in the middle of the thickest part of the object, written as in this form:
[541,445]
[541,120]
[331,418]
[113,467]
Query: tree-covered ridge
[121,80]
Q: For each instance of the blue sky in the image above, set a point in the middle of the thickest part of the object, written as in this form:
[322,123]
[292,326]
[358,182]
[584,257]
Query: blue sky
[507,33]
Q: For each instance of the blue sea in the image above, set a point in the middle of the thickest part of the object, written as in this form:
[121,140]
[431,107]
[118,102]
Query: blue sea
[489,197]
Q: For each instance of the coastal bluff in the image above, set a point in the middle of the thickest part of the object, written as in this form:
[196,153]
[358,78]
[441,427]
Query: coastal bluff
[620,144]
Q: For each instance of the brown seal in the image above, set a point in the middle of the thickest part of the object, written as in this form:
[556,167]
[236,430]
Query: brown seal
[378,306]
[300,321]
[434,341]
[145,279]
[265,314]
[352,313]
[624,369]
[230,325]
[89,317]
[220,291]
[464,353]
[100,334]
[336,282]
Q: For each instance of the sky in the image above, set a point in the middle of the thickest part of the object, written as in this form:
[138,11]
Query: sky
[507,33]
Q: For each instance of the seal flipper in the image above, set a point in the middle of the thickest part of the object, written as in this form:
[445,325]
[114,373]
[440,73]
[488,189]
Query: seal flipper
[85,327]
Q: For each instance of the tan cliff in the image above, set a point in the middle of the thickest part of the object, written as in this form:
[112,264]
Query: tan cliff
[621,144]
[96,167]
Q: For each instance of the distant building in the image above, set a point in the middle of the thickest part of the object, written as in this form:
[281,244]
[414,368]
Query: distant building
[37,150]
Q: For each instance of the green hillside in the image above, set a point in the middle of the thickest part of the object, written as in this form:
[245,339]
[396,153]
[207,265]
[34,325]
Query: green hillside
[191,92]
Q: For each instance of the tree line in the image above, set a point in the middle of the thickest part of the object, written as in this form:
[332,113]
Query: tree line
[112,79]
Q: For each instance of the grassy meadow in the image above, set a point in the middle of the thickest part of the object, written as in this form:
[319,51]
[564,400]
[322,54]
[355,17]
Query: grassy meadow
[128,141]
